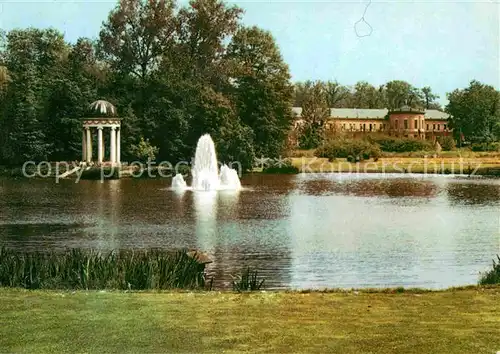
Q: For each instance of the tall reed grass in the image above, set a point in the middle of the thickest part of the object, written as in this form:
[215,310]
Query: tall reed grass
[248,280]
[493,275]
[82,269]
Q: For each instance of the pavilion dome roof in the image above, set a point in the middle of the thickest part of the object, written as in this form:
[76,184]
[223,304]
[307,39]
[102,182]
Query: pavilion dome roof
[101,108]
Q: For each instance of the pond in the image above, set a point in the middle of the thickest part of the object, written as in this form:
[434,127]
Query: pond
[299,231]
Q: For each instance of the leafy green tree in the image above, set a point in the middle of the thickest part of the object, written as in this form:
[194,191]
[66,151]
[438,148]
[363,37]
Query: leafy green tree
[300,91]
[430,98]
[337,95]
[133,42]
[203,30]
[315,113]
[475,112]
[366,96]
[72,91]
[32,57]
[136,34]
[400,93]
[173,75]
[261,89]
[143,150]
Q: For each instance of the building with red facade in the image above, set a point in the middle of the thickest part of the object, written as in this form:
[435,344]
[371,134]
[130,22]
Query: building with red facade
[402,122]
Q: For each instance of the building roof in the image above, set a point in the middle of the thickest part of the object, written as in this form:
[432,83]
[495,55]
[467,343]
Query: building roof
[101,108]
[436,114]
[366,113]
[358,113]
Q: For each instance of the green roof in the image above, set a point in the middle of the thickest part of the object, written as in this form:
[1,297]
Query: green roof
[355,113]
[366,113]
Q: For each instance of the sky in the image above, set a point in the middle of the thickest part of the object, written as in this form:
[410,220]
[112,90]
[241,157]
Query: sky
[441,44]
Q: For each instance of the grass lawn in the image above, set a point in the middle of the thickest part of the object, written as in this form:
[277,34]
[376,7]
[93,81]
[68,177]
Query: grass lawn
[478,165]
[452,321]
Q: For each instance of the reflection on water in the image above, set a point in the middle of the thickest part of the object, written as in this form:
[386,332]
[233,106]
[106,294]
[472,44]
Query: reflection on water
[301,231]
[370,188]
[205,205]
[473,193]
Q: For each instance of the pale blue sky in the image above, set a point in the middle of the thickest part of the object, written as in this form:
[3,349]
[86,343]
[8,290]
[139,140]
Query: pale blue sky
[442,44]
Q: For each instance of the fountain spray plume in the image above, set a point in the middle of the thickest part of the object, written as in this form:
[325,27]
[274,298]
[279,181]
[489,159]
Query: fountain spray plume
[205,171]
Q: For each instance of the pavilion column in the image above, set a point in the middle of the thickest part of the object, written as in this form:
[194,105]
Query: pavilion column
[100,148]
[112,144]
[84,146]
[88,145]
[118,151]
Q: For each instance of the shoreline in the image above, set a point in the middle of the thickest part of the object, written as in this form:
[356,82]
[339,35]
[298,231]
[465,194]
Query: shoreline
[467,166]
[382,290]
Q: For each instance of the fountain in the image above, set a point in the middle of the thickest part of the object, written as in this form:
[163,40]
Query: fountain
[205,171]
[178,182]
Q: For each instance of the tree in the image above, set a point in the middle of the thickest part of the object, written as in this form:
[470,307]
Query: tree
[475,112]
[401,93]
[133,43]
[300,90]
[136,35]
[72,90]
[429,97]
[261,89]
[215,114]
[337,95]
[315,113]
[143,151]
[33,59]
[203,30]
[366,96]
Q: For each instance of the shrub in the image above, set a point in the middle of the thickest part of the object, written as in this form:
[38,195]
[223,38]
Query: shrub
[143,151]
[447,143]
[352,149]
[310,136]
[486,146]
[492,276]
[247,281]
[393,144]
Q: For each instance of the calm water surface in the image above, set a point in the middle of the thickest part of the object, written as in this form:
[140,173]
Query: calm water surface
[304,231]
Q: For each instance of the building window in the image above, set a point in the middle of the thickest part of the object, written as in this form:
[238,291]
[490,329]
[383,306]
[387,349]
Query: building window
[396,125]
[416,124]
[406,123]
[382,126]
[434,127]
[364,127]
[427,128]
[439,126]
[445,127]
[370,127]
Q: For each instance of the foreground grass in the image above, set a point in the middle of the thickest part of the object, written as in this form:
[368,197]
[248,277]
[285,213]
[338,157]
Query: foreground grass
[452,321]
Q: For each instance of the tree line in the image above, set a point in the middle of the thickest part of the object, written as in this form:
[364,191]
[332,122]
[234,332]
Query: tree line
[174,73]
[393,94]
